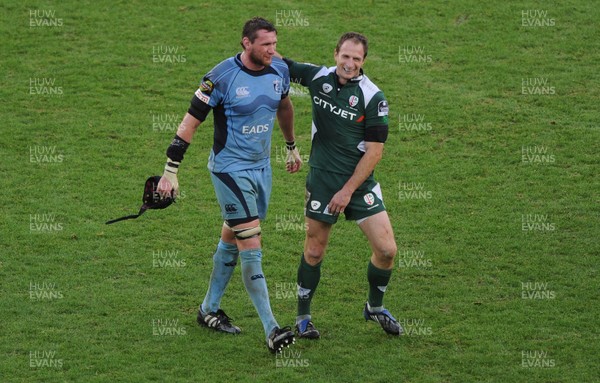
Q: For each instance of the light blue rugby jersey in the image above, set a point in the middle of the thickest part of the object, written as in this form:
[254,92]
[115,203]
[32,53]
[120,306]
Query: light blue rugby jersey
[244,105]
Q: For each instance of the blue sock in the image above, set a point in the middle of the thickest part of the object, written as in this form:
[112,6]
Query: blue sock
[224,262]
[256,285]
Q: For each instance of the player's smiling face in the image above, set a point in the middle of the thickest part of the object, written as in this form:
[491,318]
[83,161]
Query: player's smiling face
[260,52]
[349,59]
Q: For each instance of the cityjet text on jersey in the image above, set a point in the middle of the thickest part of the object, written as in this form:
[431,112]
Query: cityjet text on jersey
[334,109]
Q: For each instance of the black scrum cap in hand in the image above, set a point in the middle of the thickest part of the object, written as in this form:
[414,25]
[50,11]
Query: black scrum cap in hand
[151,199]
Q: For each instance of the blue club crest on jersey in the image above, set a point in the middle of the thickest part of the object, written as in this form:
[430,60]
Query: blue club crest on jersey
[278,86]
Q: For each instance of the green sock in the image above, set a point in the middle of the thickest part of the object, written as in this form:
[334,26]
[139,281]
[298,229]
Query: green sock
[308,280]
[378,281]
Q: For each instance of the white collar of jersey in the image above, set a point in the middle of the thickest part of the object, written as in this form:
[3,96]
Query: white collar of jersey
[354,79]
[359,77]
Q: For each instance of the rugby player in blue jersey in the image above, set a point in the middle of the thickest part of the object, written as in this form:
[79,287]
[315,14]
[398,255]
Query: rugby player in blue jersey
[245,93]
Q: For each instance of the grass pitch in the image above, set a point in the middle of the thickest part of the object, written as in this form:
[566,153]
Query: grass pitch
[490,176]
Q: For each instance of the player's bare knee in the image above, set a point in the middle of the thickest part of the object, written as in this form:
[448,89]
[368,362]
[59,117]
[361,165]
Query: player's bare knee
[246,244]
[387,252]
[313,255]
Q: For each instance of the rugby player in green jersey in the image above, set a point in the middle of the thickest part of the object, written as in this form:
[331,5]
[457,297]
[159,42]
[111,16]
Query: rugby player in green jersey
[349,128]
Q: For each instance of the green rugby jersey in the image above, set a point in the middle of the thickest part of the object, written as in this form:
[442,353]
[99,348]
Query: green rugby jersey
[343,117]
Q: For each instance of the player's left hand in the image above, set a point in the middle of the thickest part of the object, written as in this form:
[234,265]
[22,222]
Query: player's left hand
[339,201]
[293,161]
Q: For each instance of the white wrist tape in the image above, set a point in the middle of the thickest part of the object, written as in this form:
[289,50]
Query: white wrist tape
[171,169]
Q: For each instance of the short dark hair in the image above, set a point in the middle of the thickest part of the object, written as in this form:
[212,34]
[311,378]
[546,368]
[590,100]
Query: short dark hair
[356,37]
[254,25]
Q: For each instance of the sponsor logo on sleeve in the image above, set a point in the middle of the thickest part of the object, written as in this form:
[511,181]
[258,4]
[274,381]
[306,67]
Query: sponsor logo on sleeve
[206,86]
[201,96]
[382,108]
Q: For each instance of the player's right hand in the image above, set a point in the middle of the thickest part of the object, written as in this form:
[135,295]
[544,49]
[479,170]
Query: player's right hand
[168,183]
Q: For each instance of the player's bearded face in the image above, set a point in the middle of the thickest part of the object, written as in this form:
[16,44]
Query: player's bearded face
[261,51]
[349,60]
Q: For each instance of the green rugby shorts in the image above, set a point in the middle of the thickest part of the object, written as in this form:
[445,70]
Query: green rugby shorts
[321,185]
